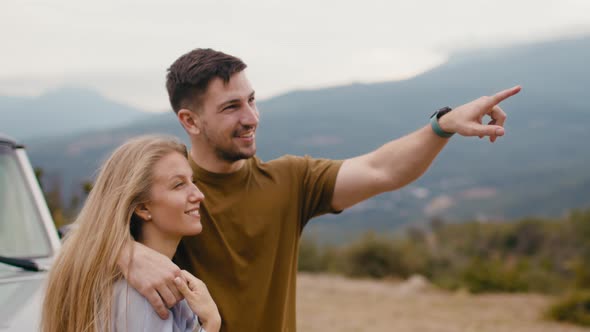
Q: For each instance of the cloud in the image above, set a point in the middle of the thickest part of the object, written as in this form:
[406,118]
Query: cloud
[122,48]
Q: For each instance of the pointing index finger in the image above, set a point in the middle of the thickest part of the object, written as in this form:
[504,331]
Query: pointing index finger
[503,95]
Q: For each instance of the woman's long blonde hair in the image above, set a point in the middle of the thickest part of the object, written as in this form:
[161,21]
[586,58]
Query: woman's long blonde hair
[80,285]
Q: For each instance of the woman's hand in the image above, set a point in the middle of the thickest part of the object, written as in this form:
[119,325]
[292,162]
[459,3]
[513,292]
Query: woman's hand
[197,295]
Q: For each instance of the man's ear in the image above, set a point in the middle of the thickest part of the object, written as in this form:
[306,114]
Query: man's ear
[190,121]
[143,212]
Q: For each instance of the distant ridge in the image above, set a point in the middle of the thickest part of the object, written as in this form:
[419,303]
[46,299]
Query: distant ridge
[62,111]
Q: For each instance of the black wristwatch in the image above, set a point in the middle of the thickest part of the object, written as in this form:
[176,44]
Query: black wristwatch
[434,122]
[441,112]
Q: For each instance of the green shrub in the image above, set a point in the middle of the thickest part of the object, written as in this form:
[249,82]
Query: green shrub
[494,275]
[574,308]
[309,256]
[537,255]
[374,257]
[334,261]
[582,274]
[543,280]
[314,259]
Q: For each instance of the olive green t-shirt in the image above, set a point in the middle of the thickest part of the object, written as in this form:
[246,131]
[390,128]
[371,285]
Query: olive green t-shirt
[252,220]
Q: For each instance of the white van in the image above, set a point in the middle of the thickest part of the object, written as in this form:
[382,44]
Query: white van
[28,240]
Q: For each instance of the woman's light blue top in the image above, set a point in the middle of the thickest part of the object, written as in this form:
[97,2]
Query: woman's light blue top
[131,312]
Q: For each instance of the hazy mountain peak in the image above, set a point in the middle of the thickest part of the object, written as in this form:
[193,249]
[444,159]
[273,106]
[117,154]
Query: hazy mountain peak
[62,111]
[69,91]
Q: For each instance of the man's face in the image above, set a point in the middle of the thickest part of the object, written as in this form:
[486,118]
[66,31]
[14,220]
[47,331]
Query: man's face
[229,118]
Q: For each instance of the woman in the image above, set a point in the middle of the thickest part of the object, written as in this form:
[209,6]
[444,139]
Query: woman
[144,192]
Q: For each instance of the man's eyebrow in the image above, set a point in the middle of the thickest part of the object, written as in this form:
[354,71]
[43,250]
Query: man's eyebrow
[231,101]
[235,100]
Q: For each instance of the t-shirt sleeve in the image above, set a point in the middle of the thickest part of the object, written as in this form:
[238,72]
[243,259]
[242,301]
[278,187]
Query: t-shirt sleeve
[318,178]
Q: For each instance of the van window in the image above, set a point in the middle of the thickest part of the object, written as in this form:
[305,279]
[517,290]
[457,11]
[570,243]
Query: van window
[22,233]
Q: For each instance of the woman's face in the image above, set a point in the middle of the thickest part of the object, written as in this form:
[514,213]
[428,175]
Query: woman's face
[174,198]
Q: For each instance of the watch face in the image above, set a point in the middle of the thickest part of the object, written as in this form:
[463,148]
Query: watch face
[443,111]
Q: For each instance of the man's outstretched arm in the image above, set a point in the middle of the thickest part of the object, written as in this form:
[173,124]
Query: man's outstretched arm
[404,160]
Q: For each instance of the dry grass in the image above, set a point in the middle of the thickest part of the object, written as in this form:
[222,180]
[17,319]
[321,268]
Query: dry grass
[334,303]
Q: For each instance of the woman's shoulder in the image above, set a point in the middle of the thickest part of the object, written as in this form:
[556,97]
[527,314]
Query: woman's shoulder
[124,295]
[133,312]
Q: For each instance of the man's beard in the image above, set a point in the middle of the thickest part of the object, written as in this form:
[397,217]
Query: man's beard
[227,154]
[231,156]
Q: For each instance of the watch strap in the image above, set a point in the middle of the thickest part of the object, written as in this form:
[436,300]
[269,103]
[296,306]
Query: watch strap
[434,123]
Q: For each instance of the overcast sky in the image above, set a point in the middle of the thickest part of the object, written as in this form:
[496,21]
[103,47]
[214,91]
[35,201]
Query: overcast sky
[122,48]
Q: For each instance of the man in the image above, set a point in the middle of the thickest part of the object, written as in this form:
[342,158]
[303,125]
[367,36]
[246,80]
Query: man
[254,211]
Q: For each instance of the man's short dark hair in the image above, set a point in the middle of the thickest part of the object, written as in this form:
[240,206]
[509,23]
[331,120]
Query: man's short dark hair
[189,76]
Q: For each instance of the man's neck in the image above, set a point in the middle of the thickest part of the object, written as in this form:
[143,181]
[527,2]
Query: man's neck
[213,164]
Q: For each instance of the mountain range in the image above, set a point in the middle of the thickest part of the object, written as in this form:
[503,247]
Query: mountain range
[62,111]
[540,168]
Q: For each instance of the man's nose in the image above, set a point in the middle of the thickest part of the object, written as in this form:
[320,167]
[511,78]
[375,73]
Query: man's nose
[251,116]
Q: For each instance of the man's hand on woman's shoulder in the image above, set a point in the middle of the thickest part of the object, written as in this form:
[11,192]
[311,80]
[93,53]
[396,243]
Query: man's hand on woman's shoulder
[152,275]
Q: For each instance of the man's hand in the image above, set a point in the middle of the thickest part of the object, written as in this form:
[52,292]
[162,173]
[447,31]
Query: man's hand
[466,120]
[197,295]
[405,159]
[152,275]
